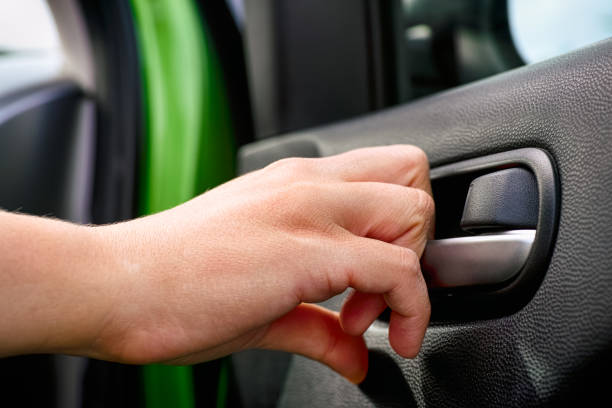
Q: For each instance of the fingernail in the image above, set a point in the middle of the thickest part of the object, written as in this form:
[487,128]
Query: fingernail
[357,378]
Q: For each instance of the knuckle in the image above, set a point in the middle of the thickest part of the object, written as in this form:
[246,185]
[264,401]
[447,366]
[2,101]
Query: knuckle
[414,165]
[295,204]
[425,204]
[419,158]
[292,166]
[413,156]
[295,192]
[424,213]
[409,261]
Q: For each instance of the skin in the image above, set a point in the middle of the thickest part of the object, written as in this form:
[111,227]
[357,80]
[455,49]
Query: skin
[235,268]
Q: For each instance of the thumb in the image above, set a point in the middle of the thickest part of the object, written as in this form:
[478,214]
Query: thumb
[315,332]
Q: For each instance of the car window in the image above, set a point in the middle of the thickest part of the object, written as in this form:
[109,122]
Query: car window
[30,50]
[543,29]
[444,43]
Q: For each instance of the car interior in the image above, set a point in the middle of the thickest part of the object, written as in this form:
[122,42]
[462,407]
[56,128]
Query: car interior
[111,110]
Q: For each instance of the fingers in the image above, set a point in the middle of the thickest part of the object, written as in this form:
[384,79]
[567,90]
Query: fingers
[394,272]
[382,273]
[390,166]
[403,165]
[384,212]
[359,311]
[315,332]
[380,195]
[377,268]
[397,164]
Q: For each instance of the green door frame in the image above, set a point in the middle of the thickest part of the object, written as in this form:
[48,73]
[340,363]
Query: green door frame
[189,142]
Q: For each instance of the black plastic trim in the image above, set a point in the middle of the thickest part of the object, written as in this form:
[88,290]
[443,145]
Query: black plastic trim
[305,70]
[501,201]
[229,46]
[118,96]
[22,100]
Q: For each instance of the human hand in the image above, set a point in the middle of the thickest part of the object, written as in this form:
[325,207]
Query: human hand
[232,268]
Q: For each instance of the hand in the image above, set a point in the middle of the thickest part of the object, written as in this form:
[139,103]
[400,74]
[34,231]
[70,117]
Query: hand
[237,267]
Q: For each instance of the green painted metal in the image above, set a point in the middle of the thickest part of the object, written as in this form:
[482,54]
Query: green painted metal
[189,140]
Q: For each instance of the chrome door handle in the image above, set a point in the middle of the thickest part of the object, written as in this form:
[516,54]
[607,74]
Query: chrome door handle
[476,260]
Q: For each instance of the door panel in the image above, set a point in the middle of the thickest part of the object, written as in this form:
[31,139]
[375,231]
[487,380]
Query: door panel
[554,350]
[47,147]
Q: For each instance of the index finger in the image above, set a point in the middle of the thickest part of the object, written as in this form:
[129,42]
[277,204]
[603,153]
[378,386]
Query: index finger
[405,165]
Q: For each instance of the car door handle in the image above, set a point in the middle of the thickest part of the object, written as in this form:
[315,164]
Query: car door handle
[476,260]
[496,219]
[502,200]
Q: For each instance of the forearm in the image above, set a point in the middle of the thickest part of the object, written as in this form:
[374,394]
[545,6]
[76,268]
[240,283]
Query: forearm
[53,280]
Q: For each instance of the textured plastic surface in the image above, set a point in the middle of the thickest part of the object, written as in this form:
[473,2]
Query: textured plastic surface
[557,349]
[506,199]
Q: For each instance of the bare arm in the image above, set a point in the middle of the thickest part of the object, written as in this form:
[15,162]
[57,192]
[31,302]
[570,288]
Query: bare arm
[232,268]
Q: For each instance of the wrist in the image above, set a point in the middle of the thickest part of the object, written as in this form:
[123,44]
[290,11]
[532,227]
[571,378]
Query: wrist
[128,292]
[53,282]
[90,286]
[111,272]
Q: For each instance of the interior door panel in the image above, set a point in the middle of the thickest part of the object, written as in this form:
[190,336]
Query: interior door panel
[51,128]
[556,349]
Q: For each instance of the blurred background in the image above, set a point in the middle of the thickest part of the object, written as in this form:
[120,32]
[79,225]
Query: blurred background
[112,109]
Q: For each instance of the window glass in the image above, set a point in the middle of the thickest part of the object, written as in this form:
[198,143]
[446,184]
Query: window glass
[27,25]
[441,44]
[30,50]
[543,29]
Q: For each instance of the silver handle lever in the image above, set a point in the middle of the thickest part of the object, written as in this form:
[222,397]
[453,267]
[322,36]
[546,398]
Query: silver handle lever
[476,260]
